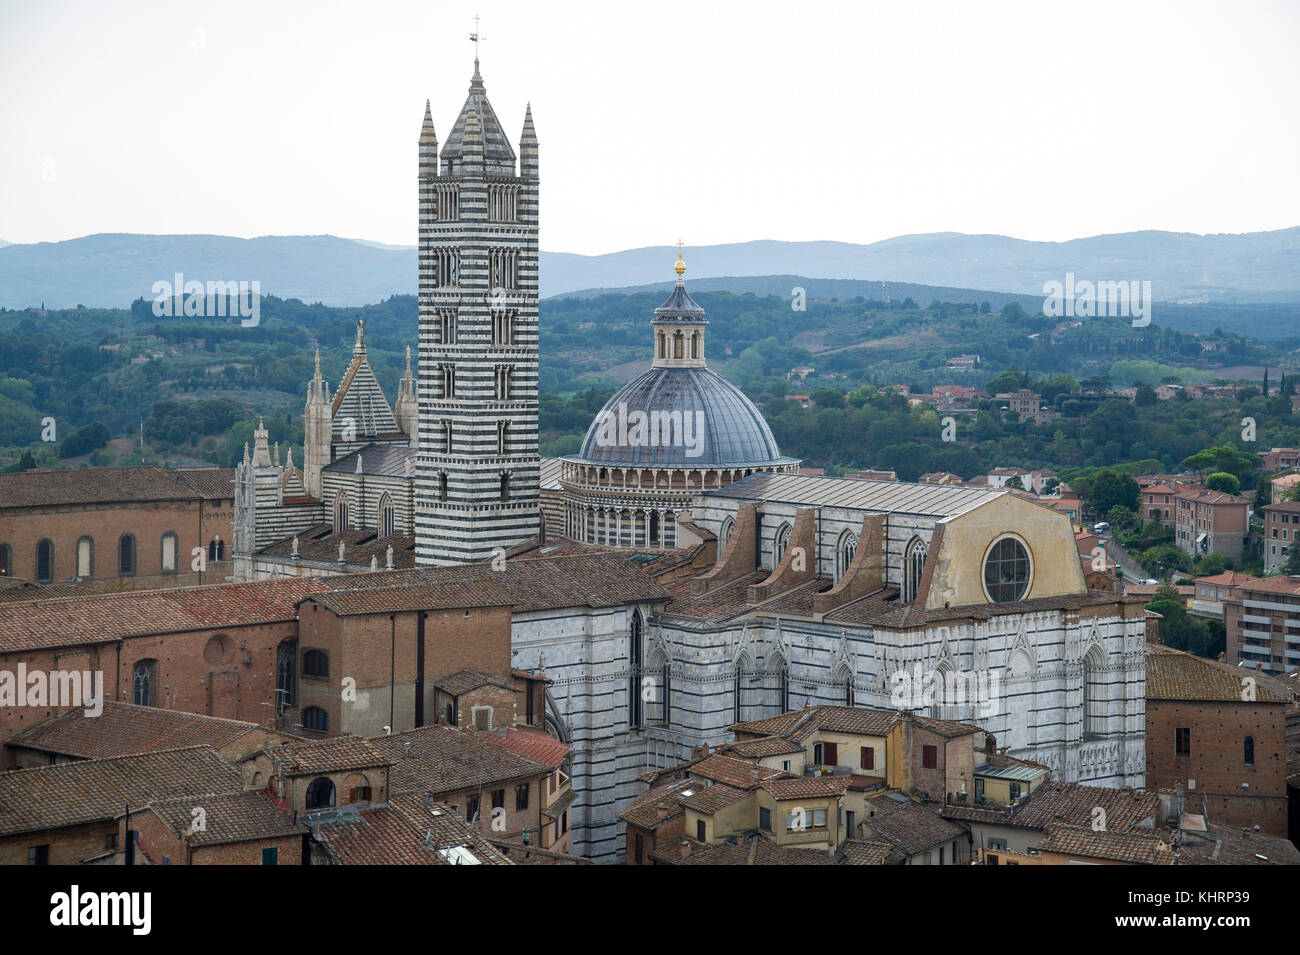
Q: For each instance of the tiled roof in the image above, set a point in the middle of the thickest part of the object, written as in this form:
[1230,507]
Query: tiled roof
[734,772]
[869,852]
[443,759]
[722,604]
[533,743]
[748,850]
[69,794]
[1073,804]
[1223,845]
[107,617]
[767,746]
[910,827]
[231,817]
[320,543]
[643,810]
[777,725]
[807,787]
[462,681]
[798,725]
[1137,848]
[1274,585]
[334,755]
[586,580]
[1176,675]
[123,729]
[405,831]
[710,800]
[1230,578]
[110,485]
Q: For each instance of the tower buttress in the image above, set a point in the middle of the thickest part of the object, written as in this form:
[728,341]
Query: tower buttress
[316,431]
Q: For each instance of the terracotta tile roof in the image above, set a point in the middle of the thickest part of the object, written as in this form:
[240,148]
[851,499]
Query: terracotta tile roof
[767,746]
[1177,675]
[798,725]
[109,485]
[1230,578]
[443,759]
[320,543]
[104,618]
[1223,845]
[334,755]
[749,850]
[1073,804]
[777,725]
[643,810]
[231,817]
[710,800]
[1136,848]
[869,852]
[910,827]
[807,787]
[588,580]
[462,681]
[1274,585]
[405,831]
[123,729]
[533,743]
[740,773]
[69,794]
[724,603]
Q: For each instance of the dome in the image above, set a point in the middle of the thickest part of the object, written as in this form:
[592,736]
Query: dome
[720,427]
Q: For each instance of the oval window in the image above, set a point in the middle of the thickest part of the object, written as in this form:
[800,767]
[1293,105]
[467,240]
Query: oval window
[1006,571]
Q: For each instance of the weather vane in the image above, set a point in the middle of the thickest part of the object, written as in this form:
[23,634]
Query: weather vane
[475,37]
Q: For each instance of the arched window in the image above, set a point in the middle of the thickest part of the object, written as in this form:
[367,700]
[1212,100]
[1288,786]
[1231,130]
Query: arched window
[86,556]
[1007,570]
[44,561]
[342,513]
[1094,693]
[844,551]
[170,545]
[6,561]
[286,670]
[677,345]
[844,676]
[442,485]
[654,527]
[695,345]
[725,534]
[505,485]
[320,794]
[126,555]
[1249,751]
[144,683]
[503,436]
[386,520]
[315,719]
[666,694]
[216,550]
[913,568]
[779,543]
[635,654]
[316,663]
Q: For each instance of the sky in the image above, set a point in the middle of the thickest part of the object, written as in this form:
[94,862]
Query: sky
[706,121]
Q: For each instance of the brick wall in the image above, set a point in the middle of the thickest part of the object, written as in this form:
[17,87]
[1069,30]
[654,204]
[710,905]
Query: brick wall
[68,846]
[1217,759]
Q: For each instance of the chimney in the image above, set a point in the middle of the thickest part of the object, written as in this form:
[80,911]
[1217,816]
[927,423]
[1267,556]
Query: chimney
[686,848]
[661,811]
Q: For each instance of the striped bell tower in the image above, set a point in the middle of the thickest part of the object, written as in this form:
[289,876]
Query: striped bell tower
[478,466]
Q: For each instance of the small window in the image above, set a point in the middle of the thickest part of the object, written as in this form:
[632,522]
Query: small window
[699,830]
[44,561]
[640,849]
[930,756]
[110,842]
[360,794]
[765,819]
[868,757]
[316,663]
[126,555]
[1183,741]
[498,799]
[521,796]
[316,719]
[471,808]
[38,855]
[170,546]
[320,794]
[481,716]
[1250,751]
[270,856]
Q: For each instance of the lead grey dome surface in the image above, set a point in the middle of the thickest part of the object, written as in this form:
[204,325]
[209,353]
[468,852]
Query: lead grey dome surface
[732,433]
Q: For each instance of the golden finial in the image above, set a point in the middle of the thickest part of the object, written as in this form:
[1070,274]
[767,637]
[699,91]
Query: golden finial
[680,267]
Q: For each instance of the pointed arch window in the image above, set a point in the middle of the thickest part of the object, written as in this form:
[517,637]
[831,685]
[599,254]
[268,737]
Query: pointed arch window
[144,683]
[387,519]
[126,555]
[913,568]
[1094,694]
[286,658]
[724,535]
[635,651]
[844,551]
[779,543]
[342,513]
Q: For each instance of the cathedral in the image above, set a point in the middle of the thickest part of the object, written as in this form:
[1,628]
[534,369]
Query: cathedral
[777,590]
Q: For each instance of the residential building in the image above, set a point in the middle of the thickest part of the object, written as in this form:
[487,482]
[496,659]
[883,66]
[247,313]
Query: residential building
[1211,522]
[1263,627]
[1281,531]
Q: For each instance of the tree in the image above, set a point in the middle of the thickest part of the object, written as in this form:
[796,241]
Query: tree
[1015,482]
[1145,397]
[1111,488]
[1222,457]
[1292,566]
[1223,481]
[985,308]
[1119,516]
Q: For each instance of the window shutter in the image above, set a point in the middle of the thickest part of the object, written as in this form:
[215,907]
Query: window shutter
[868,758]
[832,753]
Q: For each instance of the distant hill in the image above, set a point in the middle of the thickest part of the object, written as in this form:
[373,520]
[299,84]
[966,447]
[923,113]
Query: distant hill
[109,270]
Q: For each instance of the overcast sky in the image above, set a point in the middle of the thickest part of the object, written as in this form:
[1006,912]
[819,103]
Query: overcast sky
[712,122]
